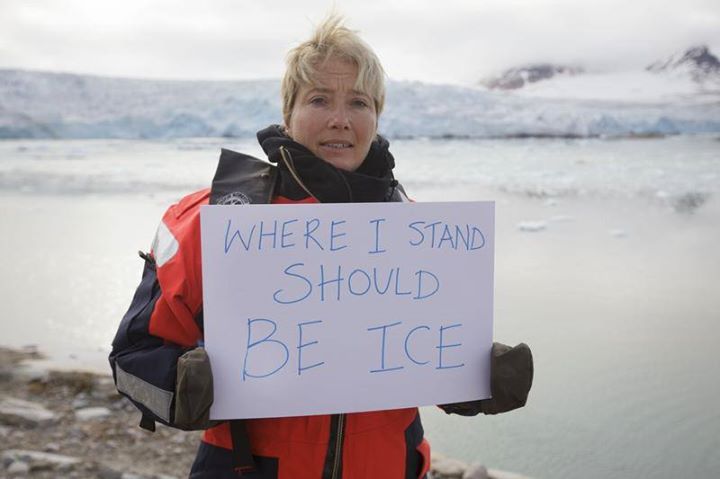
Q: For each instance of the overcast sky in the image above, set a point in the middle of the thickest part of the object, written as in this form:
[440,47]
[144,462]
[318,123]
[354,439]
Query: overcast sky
[455,41]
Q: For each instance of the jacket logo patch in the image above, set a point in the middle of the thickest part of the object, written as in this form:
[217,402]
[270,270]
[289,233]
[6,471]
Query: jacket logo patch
[234,198]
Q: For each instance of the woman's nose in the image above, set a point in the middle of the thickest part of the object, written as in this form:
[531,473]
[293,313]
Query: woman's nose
[339,118]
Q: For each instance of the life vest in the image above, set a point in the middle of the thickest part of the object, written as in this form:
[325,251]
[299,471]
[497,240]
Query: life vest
[165,320]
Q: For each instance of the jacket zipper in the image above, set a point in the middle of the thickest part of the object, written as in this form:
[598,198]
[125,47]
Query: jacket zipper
[288,160]
[337,463]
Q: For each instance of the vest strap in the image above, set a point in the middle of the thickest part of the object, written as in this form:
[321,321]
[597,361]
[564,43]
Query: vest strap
[243,460]
[147,423]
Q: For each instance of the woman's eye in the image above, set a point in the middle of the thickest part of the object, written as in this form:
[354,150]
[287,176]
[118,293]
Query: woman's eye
[360,103]
[318,100]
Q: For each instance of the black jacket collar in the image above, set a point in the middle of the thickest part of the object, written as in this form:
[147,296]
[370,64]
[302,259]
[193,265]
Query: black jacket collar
[373,181]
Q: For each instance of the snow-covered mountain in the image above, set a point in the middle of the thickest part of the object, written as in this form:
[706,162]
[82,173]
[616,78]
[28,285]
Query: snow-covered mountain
[59,105]
[690,77]
[519,77]
[697,63]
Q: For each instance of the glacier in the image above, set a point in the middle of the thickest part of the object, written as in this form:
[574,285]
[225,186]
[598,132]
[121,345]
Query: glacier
[71,106]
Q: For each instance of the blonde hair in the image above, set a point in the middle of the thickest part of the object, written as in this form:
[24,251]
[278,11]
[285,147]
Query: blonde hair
[332,40]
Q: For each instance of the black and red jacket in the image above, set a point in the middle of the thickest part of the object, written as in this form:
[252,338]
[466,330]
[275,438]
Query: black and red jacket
[165,321]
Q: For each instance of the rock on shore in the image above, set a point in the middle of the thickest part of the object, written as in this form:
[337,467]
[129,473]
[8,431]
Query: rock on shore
[75,425]
[443,467]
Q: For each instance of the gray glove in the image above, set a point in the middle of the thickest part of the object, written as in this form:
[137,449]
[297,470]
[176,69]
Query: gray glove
[193,391]
[511,376]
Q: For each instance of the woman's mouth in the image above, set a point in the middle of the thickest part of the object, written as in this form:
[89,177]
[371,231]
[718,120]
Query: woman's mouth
[340,145]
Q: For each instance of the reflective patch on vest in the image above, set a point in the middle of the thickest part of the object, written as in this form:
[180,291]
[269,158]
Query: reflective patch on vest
[164,245]
[152,397]
[234,198]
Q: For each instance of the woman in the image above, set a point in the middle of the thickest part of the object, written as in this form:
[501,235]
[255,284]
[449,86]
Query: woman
[328,151]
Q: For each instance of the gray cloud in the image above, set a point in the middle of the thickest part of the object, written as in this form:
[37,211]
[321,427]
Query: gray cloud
[449,41]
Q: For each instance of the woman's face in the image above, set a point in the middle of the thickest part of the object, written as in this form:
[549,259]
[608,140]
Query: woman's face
[331,119]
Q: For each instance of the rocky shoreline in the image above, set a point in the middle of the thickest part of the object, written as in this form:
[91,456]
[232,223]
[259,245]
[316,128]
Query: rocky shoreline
[74,424]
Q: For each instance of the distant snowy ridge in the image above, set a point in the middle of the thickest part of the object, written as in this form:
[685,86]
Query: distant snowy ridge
[519,77]
[61,105]
[697,63]
[692,76]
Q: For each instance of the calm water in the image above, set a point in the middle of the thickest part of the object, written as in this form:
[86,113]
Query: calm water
[617,291]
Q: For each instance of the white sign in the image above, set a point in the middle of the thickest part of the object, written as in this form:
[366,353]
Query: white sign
[334,308]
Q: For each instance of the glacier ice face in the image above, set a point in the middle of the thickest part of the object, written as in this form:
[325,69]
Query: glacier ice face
[56,105]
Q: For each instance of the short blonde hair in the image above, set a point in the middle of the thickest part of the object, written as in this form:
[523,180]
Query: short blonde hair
[332,40]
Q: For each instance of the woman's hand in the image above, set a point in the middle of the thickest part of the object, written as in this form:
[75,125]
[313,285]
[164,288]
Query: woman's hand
[511,376]
[194,391]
